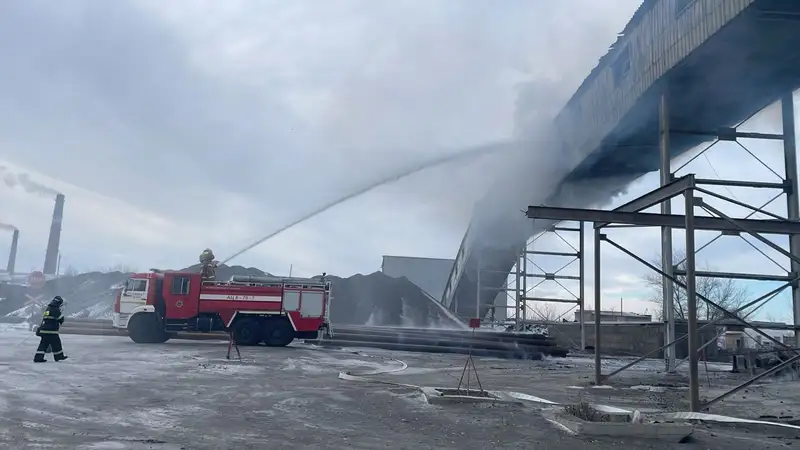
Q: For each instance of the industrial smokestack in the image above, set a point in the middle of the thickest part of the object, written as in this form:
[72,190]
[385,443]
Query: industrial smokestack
[12,255]
[51,257]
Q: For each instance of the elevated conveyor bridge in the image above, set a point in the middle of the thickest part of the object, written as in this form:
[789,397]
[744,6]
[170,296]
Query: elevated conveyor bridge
[700,66]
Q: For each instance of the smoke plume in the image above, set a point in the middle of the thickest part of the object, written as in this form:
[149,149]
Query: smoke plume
[533,176]
[7,227]
[24,181]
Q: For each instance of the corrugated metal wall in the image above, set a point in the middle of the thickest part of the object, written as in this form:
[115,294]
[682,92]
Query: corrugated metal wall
[457,269]
[432,276]
[661,40]
[429,274]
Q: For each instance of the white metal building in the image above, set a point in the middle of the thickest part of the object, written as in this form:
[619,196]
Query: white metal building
[430,274]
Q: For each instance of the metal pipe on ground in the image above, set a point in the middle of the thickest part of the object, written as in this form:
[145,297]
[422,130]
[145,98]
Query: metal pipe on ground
[413,334]
[501,347]
[432,331]
[392,339]
[510,354]
[448,343]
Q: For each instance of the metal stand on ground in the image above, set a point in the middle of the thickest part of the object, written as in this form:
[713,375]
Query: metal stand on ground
[705,362]
[470,363]
[232,344]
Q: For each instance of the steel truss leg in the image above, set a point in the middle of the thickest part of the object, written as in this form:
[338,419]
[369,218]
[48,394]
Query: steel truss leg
[582,290]
[667,288]
[598,369]
[792,197]
[525,292]
[524,305]
[518,291]
[478,288]
[691,305]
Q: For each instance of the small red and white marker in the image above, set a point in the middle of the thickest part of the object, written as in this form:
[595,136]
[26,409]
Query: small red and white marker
[36,280]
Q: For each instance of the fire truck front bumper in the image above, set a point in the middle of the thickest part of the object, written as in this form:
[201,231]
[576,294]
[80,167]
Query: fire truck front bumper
[119,320]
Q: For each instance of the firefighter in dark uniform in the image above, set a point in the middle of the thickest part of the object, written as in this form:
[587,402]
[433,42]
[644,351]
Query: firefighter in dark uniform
[208,267]
[52,319]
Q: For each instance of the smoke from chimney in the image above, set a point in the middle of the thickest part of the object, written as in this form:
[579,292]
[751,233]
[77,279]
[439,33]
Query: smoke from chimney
[12,255]
[24,181]
[7,227]
[51,256]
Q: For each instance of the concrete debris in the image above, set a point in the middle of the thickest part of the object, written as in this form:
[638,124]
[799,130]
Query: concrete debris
[598,421]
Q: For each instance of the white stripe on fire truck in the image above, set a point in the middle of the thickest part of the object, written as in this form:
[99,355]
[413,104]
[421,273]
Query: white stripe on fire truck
[241,297]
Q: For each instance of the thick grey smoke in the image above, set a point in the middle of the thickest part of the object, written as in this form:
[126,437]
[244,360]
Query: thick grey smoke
[533,174]
[529,175]
[7,227]
[23,180]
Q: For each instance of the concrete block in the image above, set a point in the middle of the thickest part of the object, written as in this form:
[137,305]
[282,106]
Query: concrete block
[449,396]
[617,424]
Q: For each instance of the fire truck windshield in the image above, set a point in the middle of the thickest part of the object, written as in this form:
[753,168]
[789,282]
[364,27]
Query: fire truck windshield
[135,285]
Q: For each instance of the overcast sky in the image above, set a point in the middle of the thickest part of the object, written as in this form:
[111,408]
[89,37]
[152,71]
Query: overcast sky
[175,126]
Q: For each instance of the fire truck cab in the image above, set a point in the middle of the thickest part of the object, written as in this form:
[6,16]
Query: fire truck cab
[154,306]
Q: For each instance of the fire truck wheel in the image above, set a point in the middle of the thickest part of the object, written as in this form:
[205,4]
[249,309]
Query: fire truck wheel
[278,333]
[143,328]
[247,331]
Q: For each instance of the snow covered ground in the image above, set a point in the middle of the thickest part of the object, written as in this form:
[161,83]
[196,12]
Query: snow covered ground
[114,394]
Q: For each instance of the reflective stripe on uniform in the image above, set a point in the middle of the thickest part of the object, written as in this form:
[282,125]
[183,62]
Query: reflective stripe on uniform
[47,332]
[40,353]
[60,352]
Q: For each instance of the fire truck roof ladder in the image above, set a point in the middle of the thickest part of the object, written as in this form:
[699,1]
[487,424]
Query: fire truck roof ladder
[270,280]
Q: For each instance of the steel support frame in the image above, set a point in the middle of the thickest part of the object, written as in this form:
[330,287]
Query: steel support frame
[630,214]
[667,288]
[523,273]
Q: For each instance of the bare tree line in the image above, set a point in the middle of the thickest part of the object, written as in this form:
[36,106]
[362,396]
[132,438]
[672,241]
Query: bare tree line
[546,312]
[727,293]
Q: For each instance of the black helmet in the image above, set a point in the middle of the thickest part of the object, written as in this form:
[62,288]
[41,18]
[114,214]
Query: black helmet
[57,301]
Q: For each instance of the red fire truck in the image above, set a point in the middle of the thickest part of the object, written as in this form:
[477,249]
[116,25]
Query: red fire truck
[274,310]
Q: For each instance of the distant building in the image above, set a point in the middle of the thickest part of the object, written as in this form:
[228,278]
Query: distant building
[431,275]
[613,316]
[750,339]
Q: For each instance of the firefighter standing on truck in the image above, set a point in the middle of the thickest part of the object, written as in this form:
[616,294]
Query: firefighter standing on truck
[208,267]
[48,331]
